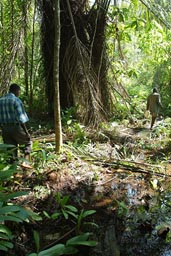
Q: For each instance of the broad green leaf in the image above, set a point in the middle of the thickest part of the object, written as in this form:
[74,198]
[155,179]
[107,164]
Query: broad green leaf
[72,214]
[7,244]
[22,214]
[55,215]
[71,208]
[70,250]
[5,230]
[5,175]
[9,208]
[85,243]
[46,214]
[3,248]
[44,157]
[36,239]
[3,236]
[58,197]
[87,213]
[64,200]
[10,218]
[35,216]
[6,197]
[65,214]
[56,250]
[79,238]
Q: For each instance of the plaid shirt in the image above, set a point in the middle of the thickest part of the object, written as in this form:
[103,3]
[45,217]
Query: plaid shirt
[12,110]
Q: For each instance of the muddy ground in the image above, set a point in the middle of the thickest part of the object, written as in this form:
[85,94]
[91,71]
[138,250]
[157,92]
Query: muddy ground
[122,177]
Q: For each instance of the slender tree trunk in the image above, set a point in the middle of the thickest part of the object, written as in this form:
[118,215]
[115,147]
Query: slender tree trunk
[57,116]
[32,59]
[26,74]
[12,23]
[2,32]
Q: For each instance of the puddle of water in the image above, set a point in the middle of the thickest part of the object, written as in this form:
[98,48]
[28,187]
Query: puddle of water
[132,235]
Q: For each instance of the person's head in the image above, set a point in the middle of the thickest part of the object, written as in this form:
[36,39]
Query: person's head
[14,88]
[155,90]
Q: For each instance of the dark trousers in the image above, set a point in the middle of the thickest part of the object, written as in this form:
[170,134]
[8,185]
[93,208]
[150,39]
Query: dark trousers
[15,135]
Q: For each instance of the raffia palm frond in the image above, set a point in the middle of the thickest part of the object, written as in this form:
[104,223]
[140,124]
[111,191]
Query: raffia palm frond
[83,82]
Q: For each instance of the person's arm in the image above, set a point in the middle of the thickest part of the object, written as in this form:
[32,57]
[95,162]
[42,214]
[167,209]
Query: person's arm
[159,102]
[21,115]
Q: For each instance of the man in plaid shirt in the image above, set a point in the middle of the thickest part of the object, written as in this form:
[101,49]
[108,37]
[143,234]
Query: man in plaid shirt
[12,121]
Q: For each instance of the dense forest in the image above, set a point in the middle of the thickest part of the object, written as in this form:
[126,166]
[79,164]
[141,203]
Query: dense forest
[85,69]
[100,43]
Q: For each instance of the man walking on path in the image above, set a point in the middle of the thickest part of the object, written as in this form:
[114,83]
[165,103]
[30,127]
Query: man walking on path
[154,105]
[12,121]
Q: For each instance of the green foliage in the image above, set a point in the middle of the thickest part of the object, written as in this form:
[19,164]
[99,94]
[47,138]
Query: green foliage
[69,248]
[121,112]
[43,155]
[6,151]
[68,116]
[139,53]
[5,238]
[36,240]
[73,128]
[57,250]
[69,211]
[78,133]
[81,240]
[80,136]
[10,212]
[65,209]
[17,214]
[80,219]
[122,209]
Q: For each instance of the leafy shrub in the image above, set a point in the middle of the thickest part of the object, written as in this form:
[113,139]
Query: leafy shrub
[8,211]
[69,248]
[67,211]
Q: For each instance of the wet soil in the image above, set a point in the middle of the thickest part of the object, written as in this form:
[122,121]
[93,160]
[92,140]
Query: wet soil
[124,180]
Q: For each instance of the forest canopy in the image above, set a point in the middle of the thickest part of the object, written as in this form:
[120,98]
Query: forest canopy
[112,53]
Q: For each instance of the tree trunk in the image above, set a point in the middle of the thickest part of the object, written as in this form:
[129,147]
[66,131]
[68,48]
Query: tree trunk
[83,67]
[26,61]
[57,116]
[47,31]
[32,59]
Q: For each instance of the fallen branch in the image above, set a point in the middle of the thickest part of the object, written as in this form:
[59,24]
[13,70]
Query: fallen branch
[45,138]
[48,138]
[131,166]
